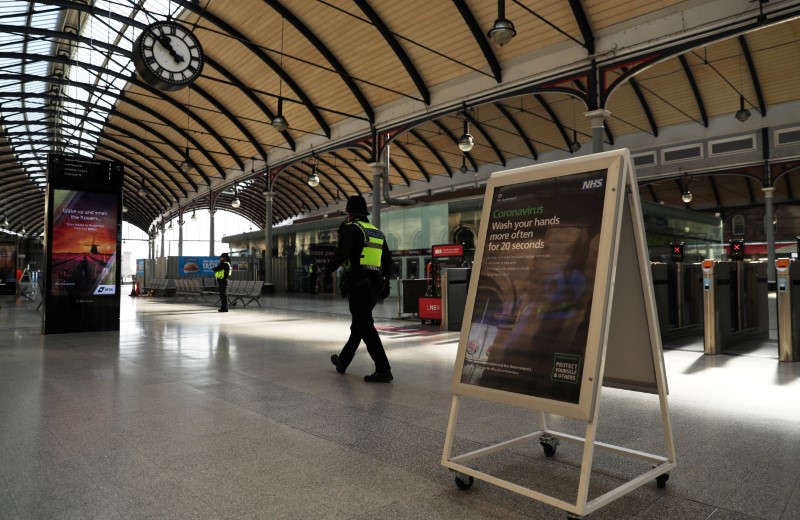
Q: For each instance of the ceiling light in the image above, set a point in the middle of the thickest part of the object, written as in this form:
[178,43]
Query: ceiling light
[236,202]
[574,146]
[687,196]
[503,30]
[124,208]
[194,216]
[743,114]
[313,180]
[279,122]
[186,165]
[142,189]
[463,164]
[5,221]
[466,142]
[170,225]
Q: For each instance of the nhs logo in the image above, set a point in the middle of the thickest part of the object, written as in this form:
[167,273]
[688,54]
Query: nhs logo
[593,184]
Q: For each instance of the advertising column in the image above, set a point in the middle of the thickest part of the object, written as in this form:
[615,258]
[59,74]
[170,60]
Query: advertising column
[82,284]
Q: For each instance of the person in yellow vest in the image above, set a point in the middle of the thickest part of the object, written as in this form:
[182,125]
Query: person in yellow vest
[363,253]
[222,272]
[312,276]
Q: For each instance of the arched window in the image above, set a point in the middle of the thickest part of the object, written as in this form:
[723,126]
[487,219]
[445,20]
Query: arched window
[737,226]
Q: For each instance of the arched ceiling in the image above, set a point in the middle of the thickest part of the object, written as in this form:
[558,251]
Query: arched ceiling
[353,75]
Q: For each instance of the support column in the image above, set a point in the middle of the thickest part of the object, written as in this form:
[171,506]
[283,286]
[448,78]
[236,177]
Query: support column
[211,232]
[162,240]
[770,229]
[180,233]
[377,172]
[598,119]
[268,195]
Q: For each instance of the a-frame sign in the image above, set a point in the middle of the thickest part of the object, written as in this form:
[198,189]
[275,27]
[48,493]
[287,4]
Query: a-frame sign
[561,303]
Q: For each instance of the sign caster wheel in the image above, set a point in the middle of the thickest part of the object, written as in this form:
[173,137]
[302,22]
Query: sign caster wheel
[549,445]
[464,482]
[661,480]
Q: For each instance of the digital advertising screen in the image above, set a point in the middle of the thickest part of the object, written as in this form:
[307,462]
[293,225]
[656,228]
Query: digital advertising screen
[529,326]
[84,244]
[82,250]
[8,262]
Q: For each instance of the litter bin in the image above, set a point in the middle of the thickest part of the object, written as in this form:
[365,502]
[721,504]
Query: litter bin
[454,296]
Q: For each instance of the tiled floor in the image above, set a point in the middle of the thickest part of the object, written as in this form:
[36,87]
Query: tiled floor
[188,413]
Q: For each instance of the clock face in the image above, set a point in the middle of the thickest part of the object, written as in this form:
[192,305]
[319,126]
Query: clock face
[168,56]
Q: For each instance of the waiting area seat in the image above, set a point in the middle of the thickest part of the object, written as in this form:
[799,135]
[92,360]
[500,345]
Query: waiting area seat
[244,291]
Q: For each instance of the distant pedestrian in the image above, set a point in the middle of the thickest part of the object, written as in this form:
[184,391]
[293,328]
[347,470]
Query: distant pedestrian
[312,276]
[367,263]
[222,272]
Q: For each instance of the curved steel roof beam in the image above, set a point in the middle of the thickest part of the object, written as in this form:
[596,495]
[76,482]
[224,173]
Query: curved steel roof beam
[353,166]
[520,131]
[701,106]
[345,177]
[255,49]
[50,111]
[255,100]
[583,25]
[90,88]
[643,103]
[414,159]
[554,118]
[53,141]
[327,54]
[397,48]
[751,67]
[131,79]
[435,152]
[486,135]
[480,39]
[339,172]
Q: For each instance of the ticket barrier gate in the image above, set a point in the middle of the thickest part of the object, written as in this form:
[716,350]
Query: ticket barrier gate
[788,288]
[679,298]
[735,303]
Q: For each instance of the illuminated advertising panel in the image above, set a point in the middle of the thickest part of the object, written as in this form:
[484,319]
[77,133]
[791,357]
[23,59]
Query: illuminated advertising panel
[8,264]
[84,244]
[82,278]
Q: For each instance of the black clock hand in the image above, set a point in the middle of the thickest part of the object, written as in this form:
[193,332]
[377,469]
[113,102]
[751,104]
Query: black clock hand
[164,39]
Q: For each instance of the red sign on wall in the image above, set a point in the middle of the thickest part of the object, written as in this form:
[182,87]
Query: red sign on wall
[446,250]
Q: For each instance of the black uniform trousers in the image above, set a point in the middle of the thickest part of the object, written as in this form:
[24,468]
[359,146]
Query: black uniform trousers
[363,291]
[222,283]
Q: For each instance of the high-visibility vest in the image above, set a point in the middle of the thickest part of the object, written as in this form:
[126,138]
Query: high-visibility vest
[373,247]
[220,275]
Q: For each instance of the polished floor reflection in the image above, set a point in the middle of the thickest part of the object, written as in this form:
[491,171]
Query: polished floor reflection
[189,413]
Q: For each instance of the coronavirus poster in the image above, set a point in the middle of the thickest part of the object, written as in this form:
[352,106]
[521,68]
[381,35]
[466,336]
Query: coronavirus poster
[531,312]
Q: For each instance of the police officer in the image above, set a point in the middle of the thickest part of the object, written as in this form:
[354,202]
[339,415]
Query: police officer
[222,272]
[367,262]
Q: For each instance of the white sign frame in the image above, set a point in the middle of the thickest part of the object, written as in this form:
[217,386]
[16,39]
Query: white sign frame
[622,232]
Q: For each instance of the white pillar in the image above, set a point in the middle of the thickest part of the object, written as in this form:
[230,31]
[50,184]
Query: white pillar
[770,229]
[598,119]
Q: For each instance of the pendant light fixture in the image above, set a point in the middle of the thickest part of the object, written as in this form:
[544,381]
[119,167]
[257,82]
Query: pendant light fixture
[279,122]
[742,114]
[313,179]
[236,202]
[142,189]
[463,168]
[574,146]
[194,216]
[466,142]
[186,164]
[686,196]
[503,30]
